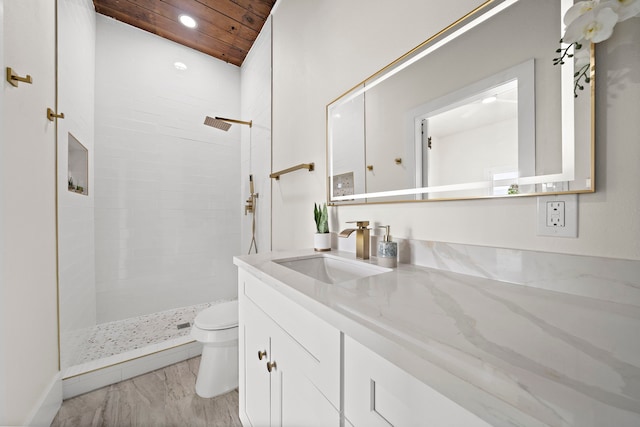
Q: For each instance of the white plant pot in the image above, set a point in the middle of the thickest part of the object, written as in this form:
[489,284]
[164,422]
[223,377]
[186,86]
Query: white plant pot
[322,242]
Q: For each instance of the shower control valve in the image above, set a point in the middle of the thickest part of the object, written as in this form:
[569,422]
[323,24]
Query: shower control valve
[248,208]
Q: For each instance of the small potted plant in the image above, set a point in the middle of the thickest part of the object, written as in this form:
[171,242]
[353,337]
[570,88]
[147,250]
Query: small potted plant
[322,238]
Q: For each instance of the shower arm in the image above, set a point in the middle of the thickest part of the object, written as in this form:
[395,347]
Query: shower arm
[241,122]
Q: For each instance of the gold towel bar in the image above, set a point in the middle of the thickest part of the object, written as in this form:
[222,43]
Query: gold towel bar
[308,166]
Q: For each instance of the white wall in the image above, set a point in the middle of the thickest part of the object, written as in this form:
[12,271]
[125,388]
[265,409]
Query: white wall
[76,89]
[28,309]
[321,49]
[255,100]
[167,188]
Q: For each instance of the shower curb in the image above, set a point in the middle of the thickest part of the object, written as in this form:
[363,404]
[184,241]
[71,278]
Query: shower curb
[101,373]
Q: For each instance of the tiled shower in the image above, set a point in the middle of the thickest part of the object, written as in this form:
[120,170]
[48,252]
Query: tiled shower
[152,242]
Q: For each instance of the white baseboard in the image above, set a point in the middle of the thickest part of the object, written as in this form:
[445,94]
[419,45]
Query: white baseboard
[48,405]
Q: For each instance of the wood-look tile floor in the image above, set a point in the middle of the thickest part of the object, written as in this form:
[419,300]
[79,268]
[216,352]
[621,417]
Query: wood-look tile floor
[165,397]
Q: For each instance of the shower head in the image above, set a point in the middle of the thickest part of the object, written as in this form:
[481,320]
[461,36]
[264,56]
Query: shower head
[217,123]
[224,124]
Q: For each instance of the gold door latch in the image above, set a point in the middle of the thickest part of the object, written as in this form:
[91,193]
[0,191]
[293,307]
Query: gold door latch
[52,115]
[14,79]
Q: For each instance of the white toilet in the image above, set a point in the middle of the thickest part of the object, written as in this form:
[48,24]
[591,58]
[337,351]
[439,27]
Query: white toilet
[217,329]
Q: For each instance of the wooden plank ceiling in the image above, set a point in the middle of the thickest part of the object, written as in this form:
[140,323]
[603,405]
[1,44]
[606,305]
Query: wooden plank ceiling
[226,29]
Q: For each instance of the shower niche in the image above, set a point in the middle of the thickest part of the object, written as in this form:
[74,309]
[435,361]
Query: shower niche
[78,167]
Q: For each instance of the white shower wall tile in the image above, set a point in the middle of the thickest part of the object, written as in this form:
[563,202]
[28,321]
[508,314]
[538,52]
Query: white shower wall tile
[134,297]
[167,186]
[73,343]
[256,142]
[76,260]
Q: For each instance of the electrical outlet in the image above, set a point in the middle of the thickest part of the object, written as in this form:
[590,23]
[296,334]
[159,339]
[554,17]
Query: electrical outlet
[555,214]
[558,215]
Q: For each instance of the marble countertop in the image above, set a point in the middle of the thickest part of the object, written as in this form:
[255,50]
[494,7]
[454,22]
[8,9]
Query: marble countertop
[512,354]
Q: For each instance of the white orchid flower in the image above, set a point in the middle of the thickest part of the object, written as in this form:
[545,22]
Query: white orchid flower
[590,21]
[579,9]
[594,26]
[625,9]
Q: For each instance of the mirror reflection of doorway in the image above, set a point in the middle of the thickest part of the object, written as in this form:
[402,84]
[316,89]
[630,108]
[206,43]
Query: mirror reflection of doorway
[466,143]
[477,141]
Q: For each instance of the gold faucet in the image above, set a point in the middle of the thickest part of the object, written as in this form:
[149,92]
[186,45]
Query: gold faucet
[362,238]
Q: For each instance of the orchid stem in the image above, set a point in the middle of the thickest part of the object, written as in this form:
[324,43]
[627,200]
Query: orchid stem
[579,75]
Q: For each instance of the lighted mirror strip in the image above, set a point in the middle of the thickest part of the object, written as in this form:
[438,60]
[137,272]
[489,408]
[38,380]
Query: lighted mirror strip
[432,48]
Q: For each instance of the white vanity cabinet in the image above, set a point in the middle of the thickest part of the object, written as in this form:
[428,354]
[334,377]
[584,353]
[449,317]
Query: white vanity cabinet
[395,348]
[378,393]
[293,365]
[289,361]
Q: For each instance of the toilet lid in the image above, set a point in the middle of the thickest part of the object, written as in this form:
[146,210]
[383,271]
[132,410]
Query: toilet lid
[223,315]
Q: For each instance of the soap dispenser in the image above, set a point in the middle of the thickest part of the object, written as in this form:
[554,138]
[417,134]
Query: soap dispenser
[387,250]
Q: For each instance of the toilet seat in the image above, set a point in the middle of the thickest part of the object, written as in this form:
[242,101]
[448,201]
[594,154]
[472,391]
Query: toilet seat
[218,317]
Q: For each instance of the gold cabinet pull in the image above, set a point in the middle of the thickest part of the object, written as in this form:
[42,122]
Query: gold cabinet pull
[13,78]
[52,115]
[370,167]
[271,366]
[262,354]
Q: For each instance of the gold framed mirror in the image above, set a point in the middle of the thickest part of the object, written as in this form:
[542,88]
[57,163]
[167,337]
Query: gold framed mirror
[478,110]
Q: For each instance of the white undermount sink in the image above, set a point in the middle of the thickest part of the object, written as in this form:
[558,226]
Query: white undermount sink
[331,269]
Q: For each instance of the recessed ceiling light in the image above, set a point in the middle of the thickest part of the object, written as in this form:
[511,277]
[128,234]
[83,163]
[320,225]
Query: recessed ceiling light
[188,21]
[180,66]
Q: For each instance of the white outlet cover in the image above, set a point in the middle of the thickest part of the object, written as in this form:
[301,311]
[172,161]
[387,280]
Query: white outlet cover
[570,228]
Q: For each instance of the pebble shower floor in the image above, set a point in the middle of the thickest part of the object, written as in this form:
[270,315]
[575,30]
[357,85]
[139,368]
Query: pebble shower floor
[110,339]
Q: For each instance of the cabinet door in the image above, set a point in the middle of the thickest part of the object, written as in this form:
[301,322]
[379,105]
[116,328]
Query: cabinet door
[378,393]
[295,383]
[312,334]
[296,401]
[255,382]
